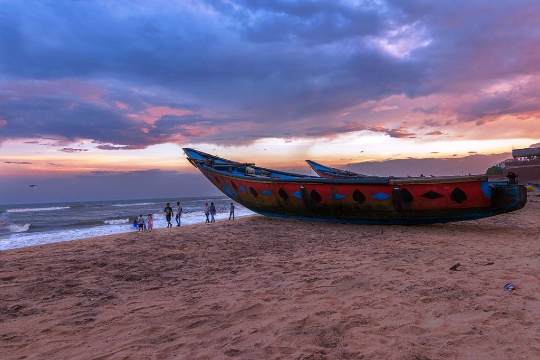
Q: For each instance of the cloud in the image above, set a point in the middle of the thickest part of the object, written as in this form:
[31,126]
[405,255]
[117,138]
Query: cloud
[18,162]
[395,133]
[130,76]
[72,150]
[112,147]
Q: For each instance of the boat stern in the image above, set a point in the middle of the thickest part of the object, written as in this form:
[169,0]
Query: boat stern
[509,197]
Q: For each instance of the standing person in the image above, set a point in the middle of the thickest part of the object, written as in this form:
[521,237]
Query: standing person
[212,212]
[149,222]
[178,213]
[206,212]
[168,215]
[140,222]
[231,212]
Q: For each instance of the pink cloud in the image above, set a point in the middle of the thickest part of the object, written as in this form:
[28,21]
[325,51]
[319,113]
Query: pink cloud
[399,132]
[121,105]
[153,113]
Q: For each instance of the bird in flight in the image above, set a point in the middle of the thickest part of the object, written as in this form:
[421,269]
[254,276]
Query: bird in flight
[32,185]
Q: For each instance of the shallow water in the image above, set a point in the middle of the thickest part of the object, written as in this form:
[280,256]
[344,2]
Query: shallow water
[34,224]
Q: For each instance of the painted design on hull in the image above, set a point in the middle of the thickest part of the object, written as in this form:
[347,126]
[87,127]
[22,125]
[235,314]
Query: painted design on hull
[370,200]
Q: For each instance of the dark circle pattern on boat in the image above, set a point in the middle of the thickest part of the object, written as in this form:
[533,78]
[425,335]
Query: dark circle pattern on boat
[253,192]
[406,196]
[458,195]
[432,195]
[358,196]
[283,194]
[315,196]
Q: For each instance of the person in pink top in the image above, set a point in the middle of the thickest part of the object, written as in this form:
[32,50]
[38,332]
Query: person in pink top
[149,222]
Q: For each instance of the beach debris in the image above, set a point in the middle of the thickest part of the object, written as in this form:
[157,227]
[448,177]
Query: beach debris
[509,287]
[455,267]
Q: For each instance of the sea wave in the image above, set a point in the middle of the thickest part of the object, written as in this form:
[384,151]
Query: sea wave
[14,228]
[133,204]
[116,221]
[24,210]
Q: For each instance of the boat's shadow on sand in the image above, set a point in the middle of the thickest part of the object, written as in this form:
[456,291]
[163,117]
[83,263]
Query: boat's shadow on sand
[497,225]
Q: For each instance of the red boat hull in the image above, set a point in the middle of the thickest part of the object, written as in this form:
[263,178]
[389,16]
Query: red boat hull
[396,201]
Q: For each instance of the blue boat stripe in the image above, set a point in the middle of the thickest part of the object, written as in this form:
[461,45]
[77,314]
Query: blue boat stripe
[381,196]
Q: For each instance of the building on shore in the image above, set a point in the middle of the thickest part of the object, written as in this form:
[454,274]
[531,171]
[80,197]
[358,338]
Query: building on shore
[525,163]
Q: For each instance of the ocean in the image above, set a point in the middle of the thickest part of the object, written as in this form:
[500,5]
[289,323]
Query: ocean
[35,224]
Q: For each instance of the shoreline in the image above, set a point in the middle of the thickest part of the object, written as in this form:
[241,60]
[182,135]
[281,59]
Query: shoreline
[24,239]
[262,288]
[113,235]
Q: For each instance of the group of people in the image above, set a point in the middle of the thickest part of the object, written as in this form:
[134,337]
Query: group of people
[146,223]
[210,212]
[169,213]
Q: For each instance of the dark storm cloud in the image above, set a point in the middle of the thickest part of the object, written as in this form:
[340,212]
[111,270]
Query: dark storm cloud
[475,41]
[200,54]
[311,22]
[46,116]
[249,69]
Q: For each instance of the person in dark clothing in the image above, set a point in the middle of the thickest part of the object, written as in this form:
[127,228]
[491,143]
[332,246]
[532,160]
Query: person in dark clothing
[207,212]
[231,212]
[512,177]
[168,215]
[178,216]
[212,212]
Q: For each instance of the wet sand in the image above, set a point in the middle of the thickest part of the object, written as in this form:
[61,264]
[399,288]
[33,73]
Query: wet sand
[259,288]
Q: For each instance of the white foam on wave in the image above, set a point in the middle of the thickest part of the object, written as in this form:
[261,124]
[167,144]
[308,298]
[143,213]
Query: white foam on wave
[14,228]
[23,210]
[23,239]
[116,221]
[133,204]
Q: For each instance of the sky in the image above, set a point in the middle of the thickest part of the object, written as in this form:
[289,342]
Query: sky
[95,94]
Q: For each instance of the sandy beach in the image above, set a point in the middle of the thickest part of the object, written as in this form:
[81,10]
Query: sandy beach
[260,288]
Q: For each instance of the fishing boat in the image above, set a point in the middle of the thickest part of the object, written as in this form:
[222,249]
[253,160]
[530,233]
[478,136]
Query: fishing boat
[362,200]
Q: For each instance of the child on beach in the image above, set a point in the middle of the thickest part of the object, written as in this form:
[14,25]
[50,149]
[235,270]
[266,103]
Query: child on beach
[212,212]
[206,212]
[231,212]
[178,213]
[149,222]
[140,221]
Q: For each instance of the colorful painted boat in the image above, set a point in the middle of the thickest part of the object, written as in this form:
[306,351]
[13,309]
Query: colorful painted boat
[364,200]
